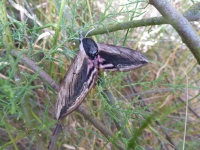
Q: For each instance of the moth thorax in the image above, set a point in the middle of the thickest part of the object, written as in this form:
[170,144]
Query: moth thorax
[90,47]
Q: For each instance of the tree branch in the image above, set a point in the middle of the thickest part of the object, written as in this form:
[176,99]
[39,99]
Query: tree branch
[180,24]
[192,14]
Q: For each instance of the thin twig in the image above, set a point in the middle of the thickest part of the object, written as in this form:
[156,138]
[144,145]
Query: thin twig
[194,112]
[121,122]
[186,112]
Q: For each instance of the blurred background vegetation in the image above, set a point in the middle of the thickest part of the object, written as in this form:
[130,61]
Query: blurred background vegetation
[144,108]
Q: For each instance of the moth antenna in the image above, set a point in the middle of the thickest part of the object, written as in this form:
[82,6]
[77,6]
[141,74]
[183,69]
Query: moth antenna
[88,32]
[75,38]
[80,35]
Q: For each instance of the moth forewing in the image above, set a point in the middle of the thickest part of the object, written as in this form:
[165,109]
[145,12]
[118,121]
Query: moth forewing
[113,58]
[74,87]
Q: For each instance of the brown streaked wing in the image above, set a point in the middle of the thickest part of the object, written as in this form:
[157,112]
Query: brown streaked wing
[74,87]
[113,58]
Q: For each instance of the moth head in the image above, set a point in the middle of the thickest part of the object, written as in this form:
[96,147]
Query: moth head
[90,47]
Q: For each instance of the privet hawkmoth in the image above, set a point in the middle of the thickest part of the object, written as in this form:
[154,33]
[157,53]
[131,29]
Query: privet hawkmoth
[83,72]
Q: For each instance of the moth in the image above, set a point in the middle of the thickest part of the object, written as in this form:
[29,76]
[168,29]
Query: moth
[83,72]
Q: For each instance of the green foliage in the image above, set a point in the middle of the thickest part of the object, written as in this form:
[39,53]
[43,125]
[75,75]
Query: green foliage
[143,108]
